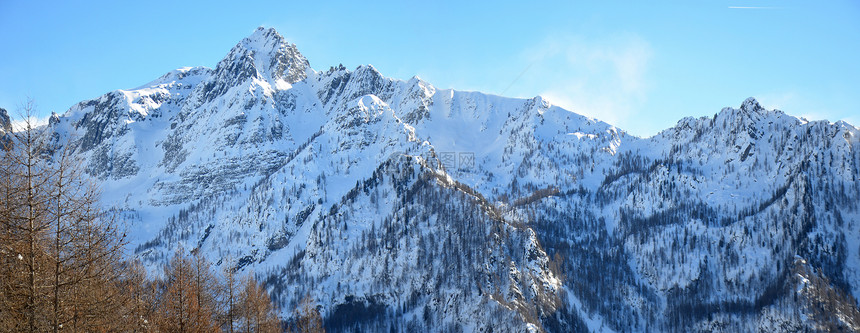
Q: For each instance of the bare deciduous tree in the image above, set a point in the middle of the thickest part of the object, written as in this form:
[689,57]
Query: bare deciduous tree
[229,294]
[62,265]
[257,314]
[307,317]
[60,252]
[187,302]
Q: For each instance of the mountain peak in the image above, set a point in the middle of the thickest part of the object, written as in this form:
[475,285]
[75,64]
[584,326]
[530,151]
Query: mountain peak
[264,55]
[751,105]
[267,55]
[749,111]
[263,38]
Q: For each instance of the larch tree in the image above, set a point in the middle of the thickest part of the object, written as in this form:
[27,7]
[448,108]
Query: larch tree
[174,301]
[206,289]
[230,295]
[26,224]
[307,317]
[256,311]
[142,298]
[59,251]
[62,264]
[187,302]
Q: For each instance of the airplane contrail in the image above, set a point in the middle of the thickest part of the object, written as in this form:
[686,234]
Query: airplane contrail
[739,7]
[517,78]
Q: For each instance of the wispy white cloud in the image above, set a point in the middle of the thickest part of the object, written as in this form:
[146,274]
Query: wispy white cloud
[780,100]
[19,124]
[603,78]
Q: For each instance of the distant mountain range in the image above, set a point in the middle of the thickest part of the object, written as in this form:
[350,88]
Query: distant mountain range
[399,206]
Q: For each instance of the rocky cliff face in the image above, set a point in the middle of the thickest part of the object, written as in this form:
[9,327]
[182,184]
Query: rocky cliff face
[396,204]
[5,127]
[5,122]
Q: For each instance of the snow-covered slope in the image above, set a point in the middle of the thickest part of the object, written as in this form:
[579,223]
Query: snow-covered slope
[396,204]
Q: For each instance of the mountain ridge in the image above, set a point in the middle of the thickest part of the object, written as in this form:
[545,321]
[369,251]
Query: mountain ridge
[521,215]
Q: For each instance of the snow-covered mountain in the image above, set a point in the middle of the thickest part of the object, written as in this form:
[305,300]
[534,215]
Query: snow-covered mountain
[398,205]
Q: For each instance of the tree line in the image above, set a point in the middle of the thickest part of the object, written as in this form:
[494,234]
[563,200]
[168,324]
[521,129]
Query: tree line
[63,264]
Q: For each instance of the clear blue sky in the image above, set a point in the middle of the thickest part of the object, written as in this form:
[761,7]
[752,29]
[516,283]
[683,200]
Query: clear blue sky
[639,65]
